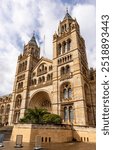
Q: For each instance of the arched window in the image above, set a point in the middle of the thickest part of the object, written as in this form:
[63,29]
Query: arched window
[25,62]
[39,80]
[65,94]
[65,114]
[16,116]
[43,79]
[67,69]
[66,91]
[63,59]
[88,104]
[8,109]
[51,67]
[69,25]
[70,57]
[18,85]
[64,47]
[18,101]
[19,68]
[48,77]
[60,60]
[71,114]
[2,109]
[62,30]
[68,45]
[46,68]
[59,49]
[65,27]
[51,76]
[62,70]
[69,93]
[23,66]
[21,85]
[34,81]
[43,67]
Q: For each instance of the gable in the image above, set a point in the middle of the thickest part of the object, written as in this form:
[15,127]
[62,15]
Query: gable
[43,64]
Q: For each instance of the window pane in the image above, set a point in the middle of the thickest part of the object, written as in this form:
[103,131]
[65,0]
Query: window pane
[65,93]
[65,114]
[71,114]
[69,93]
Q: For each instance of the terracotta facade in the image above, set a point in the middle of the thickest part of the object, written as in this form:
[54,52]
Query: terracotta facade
[64,85]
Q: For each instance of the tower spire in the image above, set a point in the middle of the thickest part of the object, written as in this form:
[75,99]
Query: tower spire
[34,33]
[67,15]
[66,9]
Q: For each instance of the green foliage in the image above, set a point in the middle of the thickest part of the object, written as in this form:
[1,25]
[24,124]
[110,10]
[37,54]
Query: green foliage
[40,116]
[33,116]
[52,119]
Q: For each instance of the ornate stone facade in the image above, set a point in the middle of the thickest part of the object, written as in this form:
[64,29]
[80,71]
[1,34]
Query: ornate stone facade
[64,85]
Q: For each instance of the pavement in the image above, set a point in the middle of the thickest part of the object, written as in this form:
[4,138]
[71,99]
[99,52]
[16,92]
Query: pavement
[51,146]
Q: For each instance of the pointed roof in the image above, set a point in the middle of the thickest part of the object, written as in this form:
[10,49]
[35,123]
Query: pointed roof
[33,40]
[67,15]
[42,59]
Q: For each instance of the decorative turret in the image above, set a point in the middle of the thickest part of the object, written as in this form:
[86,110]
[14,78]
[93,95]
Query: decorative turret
[62,40]
[33,41]
[67,25]
[32,48]
[67,16]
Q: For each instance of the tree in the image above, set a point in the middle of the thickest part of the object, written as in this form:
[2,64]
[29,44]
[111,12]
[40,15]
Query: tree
[40,116]
[52,119]
[34,115]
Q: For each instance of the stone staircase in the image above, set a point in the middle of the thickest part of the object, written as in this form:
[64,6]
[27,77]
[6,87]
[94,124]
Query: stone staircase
[7,131]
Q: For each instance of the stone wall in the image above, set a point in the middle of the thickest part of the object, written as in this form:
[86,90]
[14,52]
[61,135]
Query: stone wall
[53,133]
[85,134]
[48,133]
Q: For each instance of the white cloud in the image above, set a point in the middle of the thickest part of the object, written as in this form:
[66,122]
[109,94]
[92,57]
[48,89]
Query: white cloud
[49,19]
[18,20]
[86,17]
[8,57]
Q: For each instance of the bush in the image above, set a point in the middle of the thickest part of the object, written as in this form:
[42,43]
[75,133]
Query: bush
[52,119]
[40,116]
[33,116]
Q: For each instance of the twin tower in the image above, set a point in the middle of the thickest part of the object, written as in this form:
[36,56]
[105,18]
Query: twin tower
[63,85]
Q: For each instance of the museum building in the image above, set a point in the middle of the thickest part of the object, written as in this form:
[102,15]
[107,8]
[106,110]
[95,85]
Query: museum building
[64,85]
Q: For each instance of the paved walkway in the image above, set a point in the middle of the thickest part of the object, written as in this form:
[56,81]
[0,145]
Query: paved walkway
[63,146]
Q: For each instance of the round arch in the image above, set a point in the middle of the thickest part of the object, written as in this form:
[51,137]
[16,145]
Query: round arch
[66,90]
[40,99]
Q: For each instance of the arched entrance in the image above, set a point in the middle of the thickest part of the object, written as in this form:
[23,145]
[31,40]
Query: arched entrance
[41,100]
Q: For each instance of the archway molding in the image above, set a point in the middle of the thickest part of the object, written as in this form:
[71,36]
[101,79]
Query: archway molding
[41,99]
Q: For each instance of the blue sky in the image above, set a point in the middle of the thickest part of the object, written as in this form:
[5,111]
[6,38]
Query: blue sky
[18,20]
